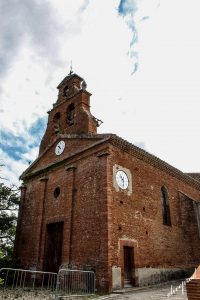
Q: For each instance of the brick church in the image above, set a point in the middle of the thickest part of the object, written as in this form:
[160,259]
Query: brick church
[96,202]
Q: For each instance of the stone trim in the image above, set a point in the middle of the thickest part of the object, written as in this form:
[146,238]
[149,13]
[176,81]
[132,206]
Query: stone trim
[128,190]
[135,254]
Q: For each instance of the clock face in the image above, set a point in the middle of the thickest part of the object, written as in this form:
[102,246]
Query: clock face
[60,147]
[122,180]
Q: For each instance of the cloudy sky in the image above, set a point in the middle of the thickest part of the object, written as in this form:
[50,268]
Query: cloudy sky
[140,59]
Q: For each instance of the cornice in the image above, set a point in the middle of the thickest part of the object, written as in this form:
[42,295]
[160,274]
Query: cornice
[69,77]
[67,99]
[152,160]
[63,136]
[27,175]
[123,145]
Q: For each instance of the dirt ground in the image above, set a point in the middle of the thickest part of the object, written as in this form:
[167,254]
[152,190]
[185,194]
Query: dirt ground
[8,294]
[21,295]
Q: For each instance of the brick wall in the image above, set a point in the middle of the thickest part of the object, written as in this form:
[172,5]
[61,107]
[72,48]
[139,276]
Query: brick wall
[105,219]
[98,218]
[137,220]
[83,120]
[85,181]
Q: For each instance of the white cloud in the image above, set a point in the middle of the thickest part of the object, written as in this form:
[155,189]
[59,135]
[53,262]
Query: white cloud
[32,22]
[157,106]
[31,155]
[11,169]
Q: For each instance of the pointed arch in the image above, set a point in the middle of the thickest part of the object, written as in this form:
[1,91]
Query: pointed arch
[165,206]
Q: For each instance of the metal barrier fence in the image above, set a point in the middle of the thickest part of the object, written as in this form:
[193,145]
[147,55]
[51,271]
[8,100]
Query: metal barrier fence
[67,282]
[19,281]
[75,282]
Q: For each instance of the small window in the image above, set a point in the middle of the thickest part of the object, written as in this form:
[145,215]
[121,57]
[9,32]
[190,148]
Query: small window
[56,192]
[70,114]
[165,206]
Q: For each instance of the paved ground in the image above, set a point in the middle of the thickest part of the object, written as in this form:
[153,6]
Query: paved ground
[157,292]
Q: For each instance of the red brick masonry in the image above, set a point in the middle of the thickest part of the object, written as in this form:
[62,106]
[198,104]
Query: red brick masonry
[98,218]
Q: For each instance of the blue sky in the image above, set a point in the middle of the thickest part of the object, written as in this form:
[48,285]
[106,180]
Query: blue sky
[16,146]
[140,59]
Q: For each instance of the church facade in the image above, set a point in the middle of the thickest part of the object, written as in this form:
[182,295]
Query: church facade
[96,202]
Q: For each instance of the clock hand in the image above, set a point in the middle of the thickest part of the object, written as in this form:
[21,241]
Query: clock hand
[122,179]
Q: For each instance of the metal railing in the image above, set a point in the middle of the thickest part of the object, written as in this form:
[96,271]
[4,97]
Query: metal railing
[75,282]
[66,283]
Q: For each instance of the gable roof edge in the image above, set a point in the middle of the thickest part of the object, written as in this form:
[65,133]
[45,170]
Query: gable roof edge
[153,160]
[100,137]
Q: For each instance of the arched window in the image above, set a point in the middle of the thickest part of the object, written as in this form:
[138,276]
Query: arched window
[165,206]
[66,90]
[56,121]
[70,114]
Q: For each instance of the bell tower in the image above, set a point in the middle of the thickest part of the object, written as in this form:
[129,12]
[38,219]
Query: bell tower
[71,112]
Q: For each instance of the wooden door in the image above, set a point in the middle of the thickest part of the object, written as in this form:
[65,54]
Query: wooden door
[128,266]
[53,253]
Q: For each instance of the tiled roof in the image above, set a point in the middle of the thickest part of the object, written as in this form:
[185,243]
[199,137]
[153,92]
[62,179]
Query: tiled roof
[194,175]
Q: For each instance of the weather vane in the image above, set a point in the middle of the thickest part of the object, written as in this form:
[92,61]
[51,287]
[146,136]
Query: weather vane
[71,71]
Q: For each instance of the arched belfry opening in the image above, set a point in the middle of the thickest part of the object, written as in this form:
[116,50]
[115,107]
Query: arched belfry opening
[70,114]
[66,90]
[56,122]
